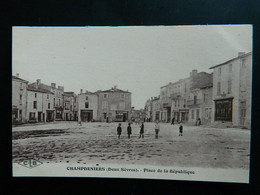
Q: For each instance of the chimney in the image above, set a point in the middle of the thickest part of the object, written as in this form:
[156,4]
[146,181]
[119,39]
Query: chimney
[241,53]
[86,91]
[53,85]
[38,82]
[61,88]
[17,75]
[193,72]
[115,87]
[81,91]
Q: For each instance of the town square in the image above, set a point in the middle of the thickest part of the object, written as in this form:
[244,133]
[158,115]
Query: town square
[156,96]
[97,143]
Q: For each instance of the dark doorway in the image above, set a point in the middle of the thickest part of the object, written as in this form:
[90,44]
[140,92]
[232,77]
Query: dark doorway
[223,110]
[39,116]
[86,115]
[168,114]
[43,117]
[124,117]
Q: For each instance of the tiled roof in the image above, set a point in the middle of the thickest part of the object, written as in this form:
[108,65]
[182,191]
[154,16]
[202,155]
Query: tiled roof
[17,78]
[113,90]
[241,56]
[32,88]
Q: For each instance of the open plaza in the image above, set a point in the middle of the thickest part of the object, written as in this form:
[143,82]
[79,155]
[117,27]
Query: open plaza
[97,142]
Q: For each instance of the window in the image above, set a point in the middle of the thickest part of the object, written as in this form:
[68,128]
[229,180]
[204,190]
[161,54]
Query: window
[49,105]
[86,104]
[105,115]
[105,95]
[86,97]
[195,99]
[206,98]
[219,72]
[122,96]
[35,104]
[20,100]
[218,88]
[53,101]
[59,102]
[70,107]
[35,95]
[21,85]
[47,96]
[230,67]
[229,86]
[192,114]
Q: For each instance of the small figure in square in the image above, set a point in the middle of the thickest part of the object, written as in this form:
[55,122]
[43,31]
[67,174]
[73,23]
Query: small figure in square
[157,129]
[180,129]
[198,122]
[129,130]
[142,130]
[173,121]
[119,130]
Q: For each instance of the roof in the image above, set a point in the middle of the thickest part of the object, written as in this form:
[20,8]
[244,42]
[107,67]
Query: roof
[113,90]
[88,93]
[241,56]
[175,83]
[17,78]
[69,93]
[32,88]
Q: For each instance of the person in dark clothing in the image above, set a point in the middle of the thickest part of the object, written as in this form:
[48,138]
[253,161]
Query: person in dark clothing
[119,130]
[142,130]
[173,121]
[107,120]
[129,130]
[180,130]
[198,122]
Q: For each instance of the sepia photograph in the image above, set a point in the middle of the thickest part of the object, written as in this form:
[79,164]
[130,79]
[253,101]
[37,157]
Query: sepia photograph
[153,102]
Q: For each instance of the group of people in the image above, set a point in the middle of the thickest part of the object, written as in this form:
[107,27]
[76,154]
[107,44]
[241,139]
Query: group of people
[157,129]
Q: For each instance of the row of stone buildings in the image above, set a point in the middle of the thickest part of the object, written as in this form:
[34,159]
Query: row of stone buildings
[223,96]
[38,102]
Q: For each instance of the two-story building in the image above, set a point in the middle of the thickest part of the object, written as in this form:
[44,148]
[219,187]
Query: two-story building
[57,98]
[156,109]
[69,101]
[114,105]
[232,81]
[19,99]
[39,104]
[199,100]
[87,106]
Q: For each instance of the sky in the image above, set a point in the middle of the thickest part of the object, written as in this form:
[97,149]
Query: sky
[140,59]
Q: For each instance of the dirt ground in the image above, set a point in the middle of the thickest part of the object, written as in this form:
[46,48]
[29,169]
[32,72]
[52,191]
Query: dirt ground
[68,142]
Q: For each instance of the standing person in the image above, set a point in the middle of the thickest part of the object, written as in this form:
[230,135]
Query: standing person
[198,122]
[173,121]
[129,130]
[142,130]
[180,130]
[119,130]
[157,129]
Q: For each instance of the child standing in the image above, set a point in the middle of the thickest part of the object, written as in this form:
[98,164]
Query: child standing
[119,130]
[157,129]
[129,130]
[142,130]
[180,130]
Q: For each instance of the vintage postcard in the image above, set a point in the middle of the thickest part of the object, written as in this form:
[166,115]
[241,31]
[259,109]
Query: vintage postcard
[154,102]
